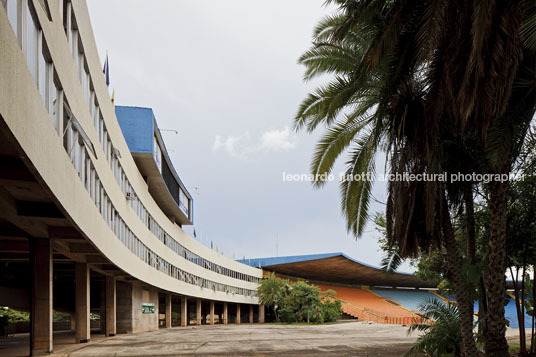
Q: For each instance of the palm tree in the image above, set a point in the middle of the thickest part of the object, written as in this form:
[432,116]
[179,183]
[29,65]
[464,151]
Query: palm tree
[443,335]
[407,74]
[271,293]
[378,115]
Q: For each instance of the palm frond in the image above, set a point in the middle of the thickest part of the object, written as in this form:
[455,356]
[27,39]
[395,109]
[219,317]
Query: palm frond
[391,261]
[326,58]
[337,138]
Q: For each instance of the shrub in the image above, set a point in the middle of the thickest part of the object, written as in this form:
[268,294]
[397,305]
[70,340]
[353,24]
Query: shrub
[298,302]
[443,336]
[331,310]
[287,314]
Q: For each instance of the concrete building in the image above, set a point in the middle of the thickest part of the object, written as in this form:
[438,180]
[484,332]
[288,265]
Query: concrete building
[91,208]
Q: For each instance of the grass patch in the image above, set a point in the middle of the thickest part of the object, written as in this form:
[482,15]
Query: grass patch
[301,323]
[514,348]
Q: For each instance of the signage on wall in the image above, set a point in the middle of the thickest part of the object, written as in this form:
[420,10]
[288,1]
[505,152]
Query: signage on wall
[147,308]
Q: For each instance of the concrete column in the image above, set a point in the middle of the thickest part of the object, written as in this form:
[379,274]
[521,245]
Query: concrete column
[250,314]
[41,308]
[212,312]
[225,313]
[111,300]
[102,307]
[238,313]
[261,314]
[73,322]
[198,315]
[82,332]
[168,310]
[184,311]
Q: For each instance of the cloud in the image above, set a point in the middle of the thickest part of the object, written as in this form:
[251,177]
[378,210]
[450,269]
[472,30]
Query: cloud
[243,146]
[228,144]
[276,140]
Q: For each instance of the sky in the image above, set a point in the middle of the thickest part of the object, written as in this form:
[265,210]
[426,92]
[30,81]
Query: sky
[224,75]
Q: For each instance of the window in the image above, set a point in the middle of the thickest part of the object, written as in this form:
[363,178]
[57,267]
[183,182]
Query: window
[104,138]
[54,105]
[73,38]
[66,12]
[157,152]
[96,116]
[32,45]
[101,127]
[67,129]
[73,150]
[79,58]
[13,11]
[45,78]
[108,149]
[85,81]
[60,8]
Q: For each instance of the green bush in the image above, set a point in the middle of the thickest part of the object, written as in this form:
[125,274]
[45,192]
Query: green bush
[14,315]
[331,310]
[287,314]
[298,302]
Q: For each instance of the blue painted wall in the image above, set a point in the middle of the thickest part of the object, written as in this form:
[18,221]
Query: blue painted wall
[510,313]
[137,125]
[409,299]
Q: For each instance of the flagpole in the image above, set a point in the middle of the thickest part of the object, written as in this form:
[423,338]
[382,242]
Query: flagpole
[277,244]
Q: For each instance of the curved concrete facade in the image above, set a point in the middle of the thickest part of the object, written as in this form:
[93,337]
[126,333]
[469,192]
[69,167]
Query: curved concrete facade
[24,114]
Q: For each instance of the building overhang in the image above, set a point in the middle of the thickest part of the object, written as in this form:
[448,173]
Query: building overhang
[158,188]
[336,268]
[149,152]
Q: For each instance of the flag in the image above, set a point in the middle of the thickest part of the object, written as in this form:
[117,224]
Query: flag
[106,71]
[195,235]
[113,96]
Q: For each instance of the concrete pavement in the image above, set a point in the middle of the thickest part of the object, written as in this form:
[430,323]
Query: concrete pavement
[350,339]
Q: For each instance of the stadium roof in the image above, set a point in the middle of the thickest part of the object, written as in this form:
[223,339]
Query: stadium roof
[336,268]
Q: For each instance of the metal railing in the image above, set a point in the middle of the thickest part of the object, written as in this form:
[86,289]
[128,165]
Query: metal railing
[367,314]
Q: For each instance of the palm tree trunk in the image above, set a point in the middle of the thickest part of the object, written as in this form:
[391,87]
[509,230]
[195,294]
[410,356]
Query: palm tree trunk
[470,224]
[471,253]
[465,304]
[471,234]
[496,344]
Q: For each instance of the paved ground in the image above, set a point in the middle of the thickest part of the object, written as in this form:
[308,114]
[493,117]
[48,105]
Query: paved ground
[343,339]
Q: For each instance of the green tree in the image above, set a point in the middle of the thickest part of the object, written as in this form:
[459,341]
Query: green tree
[408,78]
[298,302]
[521,233]
[331,308]
[382,106]
[271,292]
[306,300]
